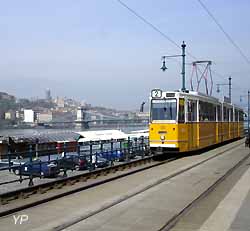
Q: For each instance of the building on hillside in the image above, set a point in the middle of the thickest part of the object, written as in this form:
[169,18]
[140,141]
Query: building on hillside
[43,117]
[48,95]
[10,115]
[29,116]
[60,102]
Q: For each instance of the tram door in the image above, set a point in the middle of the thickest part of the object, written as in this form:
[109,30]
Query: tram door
[192,123]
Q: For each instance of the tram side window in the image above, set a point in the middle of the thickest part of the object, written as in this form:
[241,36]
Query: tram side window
[225,114]
[231,115]
[236,115]
[219,113]
[181,116]
[202,111]
[192,110]
[241,116]
[213,113]
[207,111]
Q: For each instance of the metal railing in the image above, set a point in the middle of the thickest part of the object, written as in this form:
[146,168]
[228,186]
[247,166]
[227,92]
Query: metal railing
[41,163]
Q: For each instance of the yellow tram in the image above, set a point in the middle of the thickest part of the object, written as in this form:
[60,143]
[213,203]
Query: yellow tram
[187,121]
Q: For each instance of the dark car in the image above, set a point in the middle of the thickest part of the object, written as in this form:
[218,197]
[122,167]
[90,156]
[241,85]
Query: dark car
[97,161]
[111,156]
[37,168]
[72,161]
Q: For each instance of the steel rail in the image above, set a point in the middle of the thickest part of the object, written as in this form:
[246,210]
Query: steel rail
[173,221]
[5,198]
[84,217]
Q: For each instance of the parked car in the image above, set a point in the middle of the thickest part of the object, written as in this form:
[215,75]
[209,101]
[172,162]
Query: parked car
[111,156]
[72,161]
[36,168]
[97,161]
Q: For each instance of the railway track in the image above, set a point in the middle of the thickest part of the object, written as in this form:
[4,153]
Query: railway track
[170,223]
[56,189]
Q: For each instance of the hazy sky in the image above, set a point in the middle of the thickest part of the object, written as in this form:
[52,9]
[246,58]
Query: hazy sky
[96,50]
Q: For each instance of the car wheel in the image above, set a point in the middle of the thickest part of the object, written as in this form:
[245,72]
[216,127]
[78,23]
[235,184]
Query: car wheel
[42,174]
[16,172]
[77,167]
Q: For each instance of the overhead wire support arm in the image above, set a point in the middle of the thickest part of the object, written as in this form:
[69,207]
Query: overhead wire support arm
[164,68]
[229,84]
[203,75]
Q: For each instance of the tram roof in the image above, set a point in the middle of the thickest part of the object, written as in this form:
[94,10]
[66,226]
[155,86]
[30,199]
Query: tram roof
[198,95]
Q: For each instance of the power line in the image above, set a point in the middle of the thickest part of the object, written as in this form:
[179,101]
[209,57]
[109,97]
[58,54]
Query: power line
[148,23]
[224,32]
[152,26]
[155,28]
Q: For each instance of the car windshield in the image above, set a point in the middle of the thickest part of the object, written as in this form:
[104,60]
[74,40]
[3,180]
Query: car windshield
[163,109]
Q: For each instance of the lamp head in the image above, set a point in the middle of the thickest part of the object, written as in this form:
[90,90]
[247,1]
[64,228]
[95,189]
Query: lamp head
[218,89]
[164,68]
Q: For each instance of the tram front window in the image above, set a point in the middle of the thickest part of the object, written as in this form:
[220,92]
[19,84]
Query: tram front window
[163,109]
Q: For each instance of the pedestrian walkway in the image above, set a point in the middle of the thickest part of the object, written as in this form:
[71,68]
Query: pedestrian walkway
[233,212]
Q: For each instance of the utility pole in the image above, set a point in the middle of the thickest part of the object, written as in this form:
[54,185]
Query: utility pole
[183,55]
[183,46]
[248,112]
[229,84]
[230,88]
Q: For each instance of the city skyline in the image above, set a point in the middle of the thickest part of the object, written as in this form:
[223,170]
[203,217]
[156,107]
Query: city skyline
[99,52]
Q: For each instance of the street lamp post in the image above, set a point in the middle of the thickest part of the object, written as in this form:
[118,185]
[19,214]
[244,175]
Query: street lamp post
[183,55]
[229,84]
[248,111]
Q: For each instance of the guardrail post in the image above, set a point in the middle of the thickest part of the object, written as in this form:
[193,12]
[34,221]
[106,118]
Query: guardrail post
[37,151]
[20,174]
[101,147]
[90,157]
[31,183]
[9,158]
[136,144]
[128,150]
[40,168]
[121,157]
[78,149]
[64,156]
[142,147]
[49,157]
[147,146]
[95,160]
[112,152]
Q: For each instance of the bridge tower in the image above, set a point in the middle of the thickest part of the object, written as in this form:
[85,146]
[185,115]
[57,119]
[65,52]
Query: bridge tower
[80,117]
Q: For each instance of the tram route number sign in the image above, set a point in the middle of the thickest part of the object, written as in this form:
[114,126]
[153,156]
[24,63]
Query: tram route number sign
[156,93]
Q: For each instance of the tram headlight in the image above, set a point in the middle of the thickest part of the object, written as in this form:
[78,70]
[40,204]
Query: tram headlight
[162,137]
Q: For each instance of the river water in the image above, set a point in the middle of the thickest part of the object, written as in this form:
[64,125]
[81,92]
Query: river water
[44,131]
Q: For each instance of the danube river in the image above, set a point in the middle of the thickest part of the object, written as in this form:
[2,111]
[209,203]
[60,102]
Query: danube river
[29,132]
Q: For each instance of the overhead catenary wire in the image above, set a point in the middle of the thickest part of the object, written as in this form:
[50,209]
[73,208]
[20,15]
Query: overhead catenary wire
[164,35]
[146,21]
[224,32]
[227,36]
